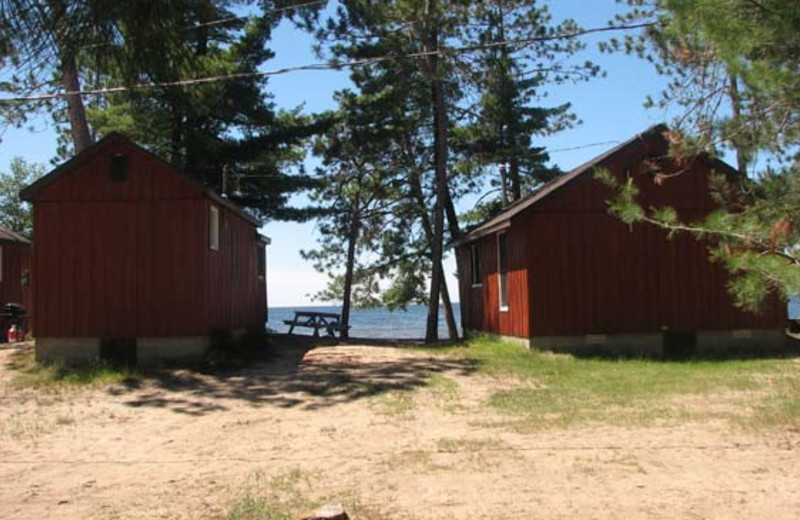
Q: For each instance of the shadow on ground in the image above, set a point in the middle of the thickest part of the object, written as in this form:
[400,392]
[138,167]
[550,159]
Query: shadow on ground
[301,373]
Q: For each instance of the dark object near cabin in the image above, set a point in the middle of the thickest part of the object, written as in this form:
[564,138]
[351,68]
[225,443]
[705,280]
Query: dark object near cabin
[119,353]
[15,280]
[15,313]
[556,269]
[794,326]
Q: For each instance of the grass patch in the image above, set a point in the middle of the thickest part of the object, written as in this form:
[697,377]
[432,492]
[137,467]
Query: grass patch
[292,495]
[451,445]
[30,374]
[275,498]
[445,392]
[396,403]
[547,389]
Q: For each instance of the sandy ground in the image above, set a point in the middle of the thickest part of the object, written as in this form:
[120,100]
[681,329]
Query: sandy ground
[186,446]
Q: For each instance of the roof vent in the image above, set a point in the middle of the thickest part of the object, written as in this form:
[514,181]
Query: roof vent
[118,168]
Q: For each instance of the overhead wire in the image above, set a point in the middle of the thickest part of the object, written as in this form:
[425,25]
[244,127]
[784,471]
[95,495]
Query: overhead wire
[317,66]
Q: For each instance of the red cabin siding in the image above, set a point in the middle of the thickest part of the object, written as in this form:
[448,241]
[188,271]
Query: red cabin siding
[16,260]
[130,259]
[235,294]
[583,271]
[482,312]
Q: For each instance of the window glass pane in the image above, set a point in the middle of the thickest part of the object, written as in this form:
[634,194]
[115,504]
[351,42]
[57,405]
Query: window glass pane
[476,264]
[502,260]
[261,256]
[213,228]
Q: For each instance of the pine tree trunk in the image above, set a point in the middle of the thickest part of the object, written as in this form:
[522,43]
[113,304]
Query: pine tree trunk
[440,167]
[736,109]
[513,175]
[427,228]
[70,81]
[449,316]
[79,127]
[352,238]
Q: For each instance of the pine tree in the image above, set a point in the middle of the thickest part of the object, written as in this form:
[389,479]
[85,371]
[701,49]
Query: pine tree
[424,87]
[507,79]
[734,64]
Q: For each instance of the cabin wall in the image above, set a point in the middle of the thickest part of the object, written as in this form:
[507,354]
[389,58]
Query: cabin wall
[590,273]
[16,260]
[583,273]
[119,259]
[235,294]
[480,304]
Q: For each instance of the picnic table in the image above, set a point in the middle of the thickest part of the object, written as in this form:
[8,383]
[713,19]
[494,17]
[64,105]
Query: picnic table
[330,321]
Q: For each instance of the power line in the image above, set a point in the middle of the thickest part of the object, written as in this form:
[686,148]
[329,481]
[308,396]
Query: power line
[318,66]
[223,21]
[581,147]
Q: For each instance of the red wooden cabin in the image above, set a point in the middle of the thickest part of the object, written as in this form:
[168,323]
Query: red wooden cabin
[558,271]
[15,279]
[134,260]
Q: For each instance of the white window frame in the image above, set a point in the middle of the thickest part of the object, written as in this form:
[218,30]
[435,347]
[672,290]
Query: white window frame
[503,308]
[477,280]
[213,228]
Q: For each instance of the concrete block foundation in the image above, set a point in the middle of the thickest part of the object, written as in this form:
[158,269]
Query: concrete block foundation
[659,344]
[149,351]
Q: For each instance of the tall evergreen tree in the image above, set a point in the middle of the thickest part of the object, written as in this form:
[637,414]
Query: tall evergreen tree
[509,78]
[359,191]
[424,87]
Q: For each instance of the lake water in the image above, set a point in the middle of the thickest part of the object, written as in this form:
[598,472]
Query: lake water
[381,323]
[377,323]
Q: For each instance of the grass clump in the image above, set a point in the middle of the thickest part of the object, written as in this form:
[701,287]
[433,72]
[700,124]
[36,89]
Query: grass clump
[398,404]
[549,389]
[28,373]
[292,495]
[275,498]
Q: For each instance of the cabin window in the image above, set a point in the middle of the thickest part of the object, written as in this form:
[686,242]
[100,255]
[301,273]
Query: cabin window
[475,264]
[234,258]
[502,269]
[213,228]
[261,260]
[118,168]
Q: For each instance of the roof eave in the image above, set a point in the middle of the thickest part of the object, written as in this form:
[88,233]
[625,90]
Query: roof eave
[478,234]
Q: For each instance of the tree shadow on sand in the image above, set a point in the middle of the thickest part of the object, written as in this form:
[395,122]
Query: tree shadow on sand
[300,374]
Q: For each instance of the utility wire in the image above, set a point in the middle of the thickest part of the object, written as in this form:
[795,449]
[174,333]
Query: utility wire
[223,21]
[317,66]
[581,147]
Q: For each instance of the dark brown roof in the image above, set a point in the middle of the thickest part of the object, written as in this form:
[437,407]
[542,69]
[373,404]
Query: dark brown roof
[502,220]
[83,157]
[6,235]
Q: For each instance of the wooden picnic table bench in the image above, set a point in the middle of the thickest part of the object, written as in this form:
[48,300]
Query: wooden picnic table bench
[317,320]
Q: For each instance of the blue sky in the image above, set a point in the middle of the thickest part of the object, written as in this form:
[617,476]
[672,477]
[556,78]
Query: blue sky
[611,109]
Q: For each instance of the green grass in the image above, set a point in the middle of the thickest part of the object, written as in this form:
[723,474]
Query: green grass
[292,495]
[398,404]
[547,389]
[30,374]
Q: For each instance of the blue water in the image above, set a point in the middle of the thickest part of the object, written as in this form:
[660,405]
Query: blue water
[794,308]
[371,323]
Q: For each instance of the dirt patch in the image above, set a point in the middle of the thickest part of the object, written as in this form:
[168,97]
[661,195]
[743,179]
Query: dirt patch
[397,433]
